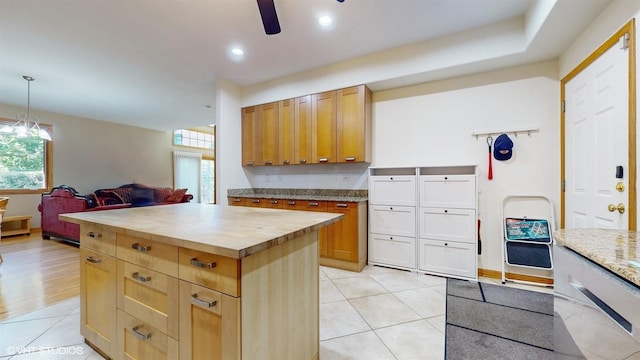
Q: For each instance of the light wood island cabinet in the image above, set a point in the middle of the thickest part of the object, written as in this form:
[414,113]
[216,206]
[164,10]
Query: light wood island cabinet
[199,281]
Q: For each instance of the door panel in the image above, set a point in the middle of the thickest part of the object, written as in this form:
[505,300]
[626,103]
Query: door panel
[596,142]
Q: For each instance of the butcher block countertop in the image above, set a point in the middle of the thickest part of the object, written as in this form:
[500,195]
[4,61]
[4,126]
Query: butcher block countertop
[614,250]
[235,232]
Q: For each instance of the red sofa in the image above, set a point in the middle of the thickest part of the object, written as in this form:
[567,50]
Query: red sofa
[65,199]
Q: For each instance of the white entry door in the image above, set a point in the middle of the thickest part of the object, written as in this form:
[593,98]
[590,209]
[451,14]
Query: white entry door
[596,143]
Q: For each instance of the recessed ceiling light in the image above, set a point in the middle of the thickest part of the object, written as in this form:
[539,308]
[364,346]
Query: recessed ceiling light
[325,20]
[237,51]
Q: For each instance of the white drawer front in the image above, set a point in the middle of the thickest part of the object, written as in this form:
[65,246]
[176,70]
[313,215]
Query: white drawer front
[398,190]
[448,224]
[448,258]
[392,220]
[392,250]
[457,191]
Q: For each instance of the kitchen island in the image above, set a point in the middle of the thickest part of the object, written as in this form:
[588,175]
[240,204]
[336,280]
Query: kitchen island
[597,294]
[195,281]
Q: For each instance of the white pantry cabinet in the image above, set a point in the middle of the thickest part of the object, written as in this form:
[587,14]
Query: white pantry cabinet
[424,219]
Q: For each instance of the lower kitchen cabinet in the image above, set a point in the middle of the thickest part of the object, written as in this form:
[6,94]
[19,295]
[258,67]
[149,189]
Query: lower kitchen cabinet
[98,310]
[210,324]
[341,245]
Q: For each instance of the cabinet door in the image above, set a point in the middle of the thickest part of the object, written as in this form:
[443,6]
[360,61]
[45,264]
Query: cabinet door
[342,241]
[139,340]
[286,136]
[455,191]
[323,122]
[251,136]
[209,324]
[302,154]
[323,233]
[392,190]
[448,224]
[270,132]
[98,300]
[448,258]
[393,220]
[353,124]
[393,250]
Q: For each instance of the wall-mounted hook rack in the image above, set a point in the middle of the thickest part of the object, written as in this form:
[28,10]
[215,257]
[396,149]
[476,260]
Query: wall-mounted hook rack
[514,131]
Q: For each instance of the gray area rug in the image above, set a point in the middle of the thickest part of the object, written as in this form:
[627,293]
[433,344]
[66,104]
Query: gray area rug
[486,321]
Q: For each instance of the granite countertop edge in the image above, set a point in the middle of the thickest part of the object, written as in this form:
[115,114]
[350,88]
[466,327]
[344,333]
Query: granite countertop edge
[302,194]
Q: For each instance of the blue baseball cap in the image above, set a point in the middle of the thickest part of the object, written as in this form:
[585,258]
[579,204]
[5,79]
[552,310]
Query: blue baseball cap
[503,148]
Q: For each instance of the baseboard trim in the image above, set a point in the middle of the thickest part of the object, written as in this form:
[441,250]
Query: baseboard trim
[494,274]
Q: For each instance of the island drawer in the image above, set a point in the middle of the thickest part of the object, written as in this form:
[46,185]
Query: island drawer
[215,272]
[149,295]
[148,253]
[94,237]
[139,340]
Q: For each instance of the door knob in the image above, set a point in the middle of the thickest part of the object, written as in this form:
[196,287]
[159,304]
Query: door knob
[613,208]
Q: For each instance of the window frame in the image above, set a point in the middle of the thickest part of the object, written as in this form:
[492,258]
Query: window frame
[48,161]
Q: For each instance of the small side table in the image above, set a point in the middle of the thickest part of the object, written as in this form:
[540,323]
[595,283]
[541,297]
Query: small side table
[16,225]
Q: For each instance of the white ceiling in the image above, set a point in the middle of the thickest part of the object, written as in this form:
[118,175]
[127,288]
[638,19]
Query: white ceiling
[154,63]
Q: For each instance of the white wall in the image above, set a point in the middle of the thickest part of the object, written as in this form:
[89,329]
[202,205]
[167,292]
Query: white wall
[431,124]
[90,154]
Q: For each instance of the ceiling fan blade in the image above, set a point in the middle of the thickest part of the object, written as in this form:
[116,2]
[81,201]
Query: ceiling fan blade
[269,16]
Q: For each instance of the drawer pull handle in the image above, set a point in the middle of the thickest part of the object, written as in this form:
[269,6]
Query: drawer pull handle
[255,201]
[303,161]
[274,202]
[291,203]
[446,178]
[93,260]
[268,162]
[342,205]
[446,211]
[323,160]
[350,158]
[314,204]
[207,265]
[140,248]
[390,237]
[391,178]
[249,163]
[139,335]
[391,208]
[286,162]
[91,234]
[203,303]
[142,279]
[237,200]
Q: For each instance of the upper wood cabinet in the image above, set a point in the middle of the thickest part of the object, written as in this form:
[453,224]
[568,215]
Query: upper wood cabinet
[250,134]
[323,127]
[269,122]
[353,117]
[329,127]
[286,135]
[303,131]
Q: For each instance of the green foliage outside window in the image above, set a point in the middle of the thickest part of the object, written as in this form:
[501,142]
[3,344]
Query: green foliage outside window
[22,162]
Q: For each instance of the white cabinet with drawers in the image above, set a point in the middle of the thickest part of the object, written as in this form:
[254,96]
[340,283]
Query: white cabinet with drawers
[392,217]
[424,219]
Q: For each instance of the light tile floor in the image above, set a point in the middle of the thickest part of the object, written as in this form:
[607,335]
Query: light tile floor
[379,313]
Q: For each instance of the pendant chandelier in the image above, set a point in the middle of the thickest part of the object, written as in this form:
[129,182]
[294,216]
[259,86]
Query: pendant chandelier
[24,126]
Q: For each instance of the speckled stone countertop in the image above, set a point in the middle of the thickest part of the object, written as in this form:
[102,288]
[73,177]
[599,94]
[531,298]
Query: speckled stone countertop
[302,194]
[611,249]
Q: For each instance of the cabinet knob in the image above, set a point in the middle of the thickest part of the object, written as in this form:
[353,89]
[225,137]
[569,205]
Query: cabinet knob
[286,162]
[291,202]
[274,202]
[303,161]
[249,163]
[391,208]
[390,237]
[446,178]
[446,244]
[255,201]
[323,160]
[391,178]
[350,158]
[268,162]
[446,211]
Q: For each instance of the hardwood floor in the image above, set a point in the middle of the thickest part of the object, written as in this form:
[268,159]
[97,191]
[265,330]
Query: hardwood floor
[36,273]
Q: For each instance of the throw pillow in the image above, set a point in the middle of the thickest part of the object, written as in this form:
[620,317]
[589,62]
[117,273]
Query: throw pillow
[142,196]
[176,196]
